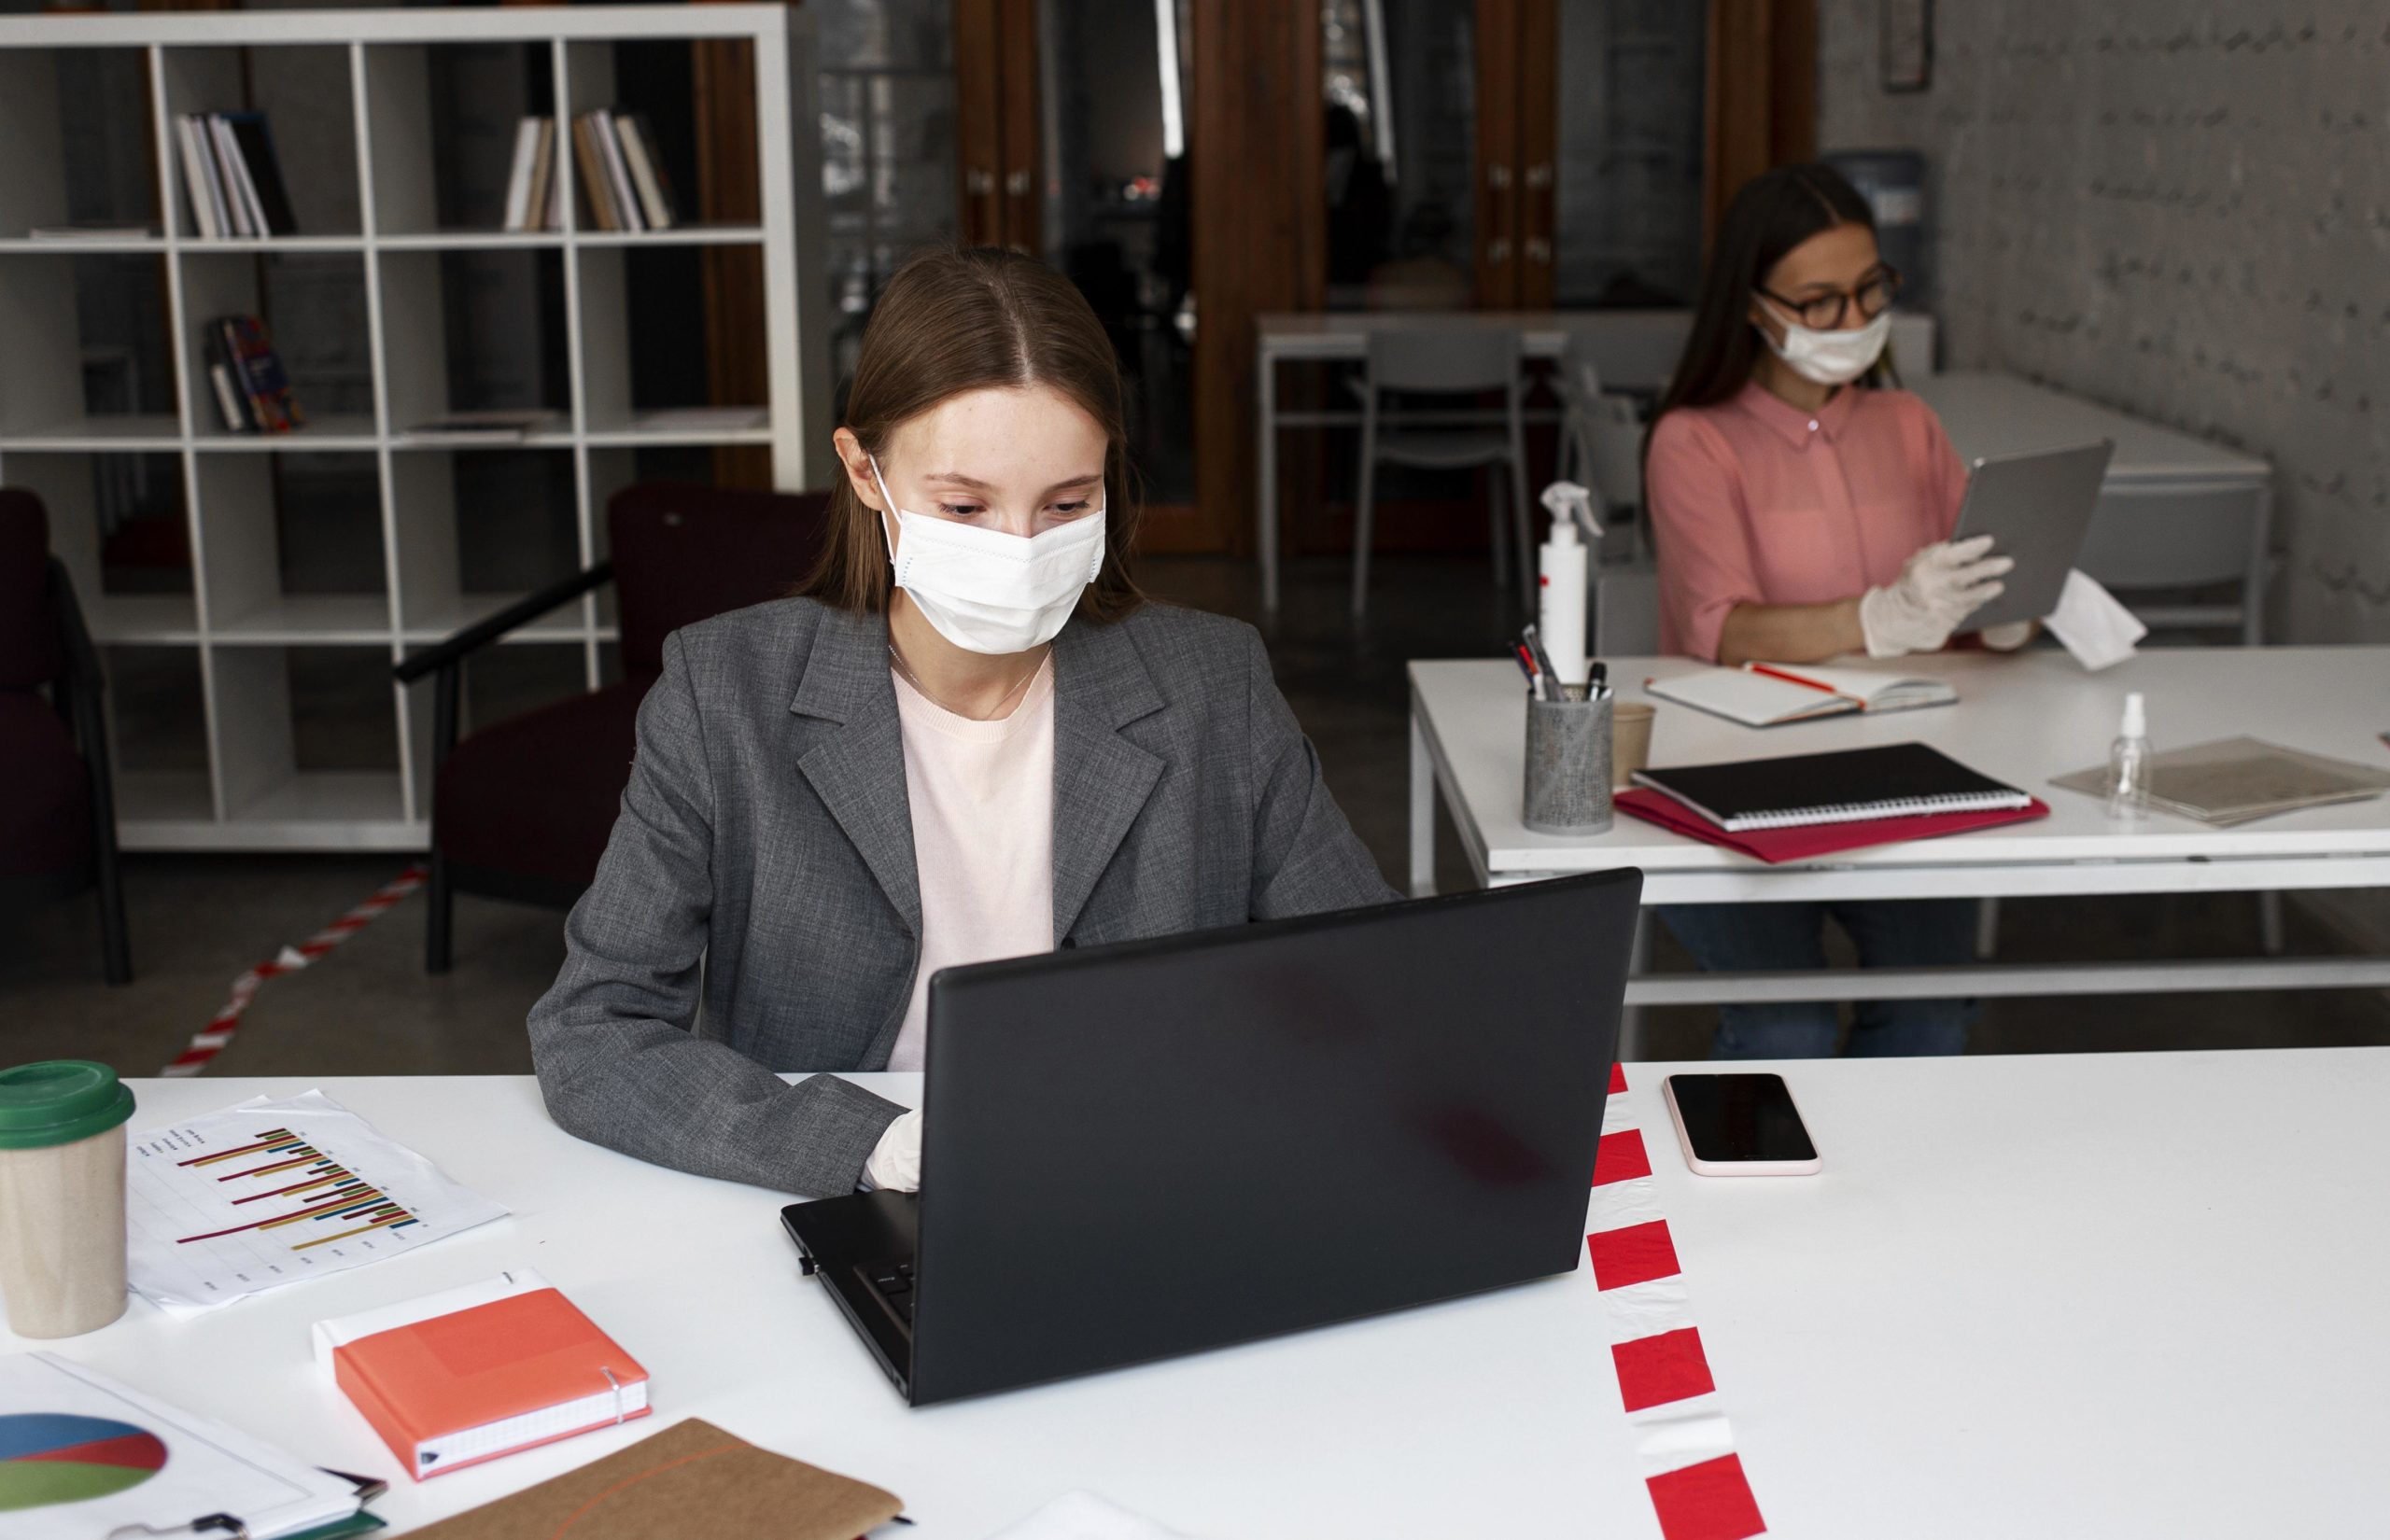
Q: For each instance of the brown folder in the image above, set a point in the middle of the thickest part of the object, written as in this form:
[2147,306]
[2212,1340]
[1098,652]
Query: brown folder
[691,1481]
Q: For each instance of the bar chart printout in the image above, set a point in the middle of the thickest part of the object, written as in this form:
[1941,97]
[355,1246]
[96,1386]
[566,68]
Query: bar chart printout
[270,1192]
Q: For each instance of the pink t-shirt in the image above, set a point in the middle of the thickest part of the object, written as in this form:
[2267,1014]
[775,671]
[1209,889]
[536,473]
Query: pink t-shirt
[982,798]
[1755,501]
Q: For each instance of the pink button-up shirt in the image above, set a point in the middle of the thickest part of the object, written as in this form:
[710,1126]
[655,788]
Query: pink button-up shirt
[1756,501]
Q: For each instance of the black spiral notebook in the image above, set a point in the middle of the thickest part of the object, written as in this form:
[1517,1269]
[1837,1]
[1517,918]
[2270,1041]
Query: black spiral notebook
[1847,786]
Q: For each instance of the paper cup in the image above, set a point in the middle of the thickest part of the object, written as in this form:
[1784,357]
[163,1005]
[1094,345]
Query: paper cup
[61,1196]
[1630,741]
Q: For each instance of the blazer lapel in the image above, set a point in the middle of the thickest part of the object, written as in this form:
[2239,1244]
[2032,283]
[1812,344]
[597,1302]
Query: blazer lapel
[1101,779]
[859,773]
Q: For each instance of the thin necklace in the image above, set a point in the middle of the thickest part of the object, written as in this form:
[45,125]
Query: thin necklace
[997,715]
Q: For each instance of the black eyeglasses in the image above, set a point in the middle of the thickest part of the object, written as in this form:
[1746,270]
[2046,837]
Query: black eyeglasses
[1825,312]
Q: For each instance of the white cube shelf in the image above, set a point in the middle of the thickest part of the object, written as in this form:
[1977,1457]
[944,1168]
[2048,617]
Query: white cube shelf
[379,228]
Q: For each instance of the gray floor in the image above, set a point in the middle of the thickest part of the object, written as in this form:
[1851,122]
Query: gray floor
[369,1008]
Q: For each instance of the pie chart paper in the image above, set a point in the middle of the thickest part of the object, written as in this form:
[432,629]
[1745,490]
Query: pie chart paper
[60,1457]
[82,1456]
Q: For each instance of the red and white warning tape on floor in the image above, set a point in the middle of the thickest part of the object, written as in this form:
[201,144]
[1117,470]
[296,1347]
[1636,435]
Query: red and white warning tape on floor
[207,1043]
[1681,1437]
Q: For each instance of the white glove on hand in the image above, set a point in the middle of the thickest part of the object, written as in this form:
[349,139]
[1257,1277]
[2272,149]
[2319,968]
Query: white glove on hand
[2009,638]
[895,1162]
[1939,586]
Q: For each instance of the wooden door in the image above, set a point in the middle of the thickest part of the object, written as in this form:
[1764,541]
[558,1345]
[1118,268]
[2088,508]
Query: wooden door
[996,108]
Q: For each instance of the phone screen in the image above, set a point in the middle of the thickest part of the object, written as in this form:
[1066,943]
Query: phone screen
[1732,1118]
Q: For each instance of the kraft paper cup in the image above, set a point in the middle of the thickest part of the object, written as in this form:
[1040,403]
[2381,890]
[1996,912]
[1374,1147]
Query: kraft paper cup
[61,1196]
[1630,741]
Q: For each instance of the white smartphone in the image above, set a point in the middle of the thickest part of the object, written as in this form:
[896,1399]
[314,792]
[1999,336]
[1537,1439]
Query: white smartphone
[1739,1125]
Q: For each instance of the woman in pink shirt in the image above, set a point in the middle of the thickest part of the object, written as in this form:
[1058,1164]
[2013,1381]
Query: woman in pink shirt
[1803,509]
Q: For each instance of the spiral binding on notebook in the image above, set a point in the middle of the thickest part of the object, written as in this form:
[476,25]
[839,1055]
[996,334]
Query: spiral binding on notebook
[1895,807]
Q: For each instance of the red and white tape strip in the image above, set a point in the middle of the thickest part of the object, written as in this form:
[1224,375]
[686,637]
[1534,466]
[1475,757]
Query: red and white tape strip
[207,1043]
[1681,1437]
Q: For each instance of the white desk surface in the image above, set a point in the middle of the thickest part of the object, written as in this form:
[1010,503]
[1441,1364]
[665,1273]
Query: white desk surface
[1990,414]
[2022,719]
[2087,1296]
[1638,348]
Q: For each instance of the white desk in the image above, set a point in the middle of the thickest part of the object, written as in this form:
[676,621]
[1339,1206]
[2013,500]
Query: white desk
[2024,720]
[1997,415]
[1990,414]
[1633,349]
[2079,1296]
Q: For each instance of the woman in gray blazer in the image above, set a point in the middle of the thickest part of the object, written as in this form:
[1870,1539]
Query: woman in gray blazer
[835,794]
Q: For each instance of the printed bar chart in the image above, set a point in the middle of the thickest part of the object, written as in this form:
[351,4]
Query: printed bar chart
[269,1193]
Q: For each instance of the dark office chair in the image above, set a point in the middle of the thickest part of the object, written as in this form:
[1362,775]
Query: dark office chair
[522,808]
[57,803]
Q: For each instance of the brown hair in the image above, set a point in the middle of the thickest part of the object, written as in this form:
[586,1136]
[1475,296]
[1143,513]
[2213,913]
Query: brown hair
[976,320]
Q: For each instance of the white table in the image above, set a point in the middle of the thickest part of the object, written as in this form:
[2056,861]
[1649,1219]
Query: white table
[2087,1296]
[2022,719]
[1633,350]
[1992,414]
[1989,415]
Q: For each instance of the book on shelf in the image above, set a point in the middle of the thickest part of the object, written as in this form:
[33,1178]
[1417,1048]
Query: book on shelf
[623,181]
[200,181]
[230,403]
[557,184]
[249,221]
[519,202]
[646,164]
[254,370]
[89,232]
[618,176]
[532,189]
[596,190]
[503,427]
[260,172]
[232,177]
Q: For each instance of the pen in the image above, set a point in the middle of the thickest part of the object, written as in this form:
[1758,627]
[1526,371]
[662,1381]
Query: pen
[1543,659]
[1527,666]
[1598,682]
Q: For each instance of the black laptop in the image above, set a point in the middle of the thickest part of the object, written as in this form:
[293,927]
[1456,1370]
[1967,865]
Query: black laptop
[1139,1151]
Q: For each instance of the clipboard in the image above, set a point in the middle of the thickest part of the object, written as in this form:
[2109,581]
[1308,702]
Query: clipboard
[214,1524]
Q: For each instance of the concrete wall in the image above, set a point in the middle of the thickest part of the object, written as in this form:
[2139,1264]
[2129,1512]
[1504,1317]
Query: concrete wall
[2179,207]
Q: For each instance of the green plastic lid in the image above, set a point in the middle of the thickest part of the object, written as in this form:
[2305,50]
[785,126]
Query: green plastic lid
[59,1101]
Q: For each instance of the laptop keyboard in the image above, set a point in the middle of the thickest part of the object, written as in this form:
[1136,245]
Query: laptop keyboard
[894,1283]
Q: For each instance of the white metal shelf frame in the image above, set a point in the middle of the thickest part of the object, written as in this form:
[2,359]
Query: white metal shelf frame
[240,627]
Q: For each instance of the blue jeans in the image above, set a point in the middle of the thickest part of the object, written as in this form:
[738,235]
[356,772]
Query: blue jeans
[1780,937]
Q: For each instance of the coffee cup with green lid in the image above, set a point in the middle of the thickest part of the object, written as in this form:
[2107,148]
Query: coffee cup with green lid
[61,1196]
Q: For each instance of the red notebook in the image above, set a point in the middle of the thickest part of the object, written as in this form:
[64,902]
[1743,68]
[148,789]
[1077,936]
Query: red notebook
[1776,845]
[476,1372]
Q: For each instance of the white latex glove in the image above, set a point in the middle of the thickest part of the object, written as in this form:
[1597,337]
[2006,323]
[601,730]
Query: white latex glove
[1939,586]
[2009,638]
[895,1162]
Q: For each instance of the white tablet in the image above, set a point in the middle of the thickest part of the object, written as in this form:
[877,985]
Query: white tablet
[2036,508]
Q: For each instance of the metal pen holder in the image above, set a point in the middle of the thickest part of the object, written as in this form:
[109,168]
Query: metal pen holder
[1567,766]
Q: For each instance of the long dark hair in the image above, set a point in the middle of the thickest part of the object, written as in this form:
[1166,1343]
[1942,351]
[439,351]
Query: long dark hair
[1775,210]
[952,321]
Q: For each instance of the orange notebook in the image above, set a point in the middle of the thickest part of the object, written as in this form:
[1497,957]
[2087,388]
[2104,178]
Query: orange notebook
[473,1372]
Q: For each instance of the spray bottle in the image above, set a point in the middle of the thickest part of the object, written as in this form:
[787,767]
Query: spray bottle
[2128,762]
[1562,587]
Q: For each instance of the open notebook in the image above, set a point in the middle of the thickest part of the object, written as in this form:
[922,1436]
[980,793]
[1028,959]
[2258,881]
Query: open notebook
[1767,694]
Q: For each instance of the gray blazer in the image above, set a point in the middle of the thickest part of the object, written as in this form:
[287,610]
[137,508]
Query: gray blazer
[764,859]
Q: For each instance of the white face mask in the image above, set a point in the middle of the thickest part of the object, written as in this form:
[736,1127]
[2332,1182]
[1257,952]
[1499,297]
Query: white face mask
[1830,357]
[986,591]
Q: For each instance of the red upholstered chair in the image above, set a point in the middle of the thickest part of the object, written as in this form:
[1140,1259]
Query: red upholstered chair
[521,809]
[57,805]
